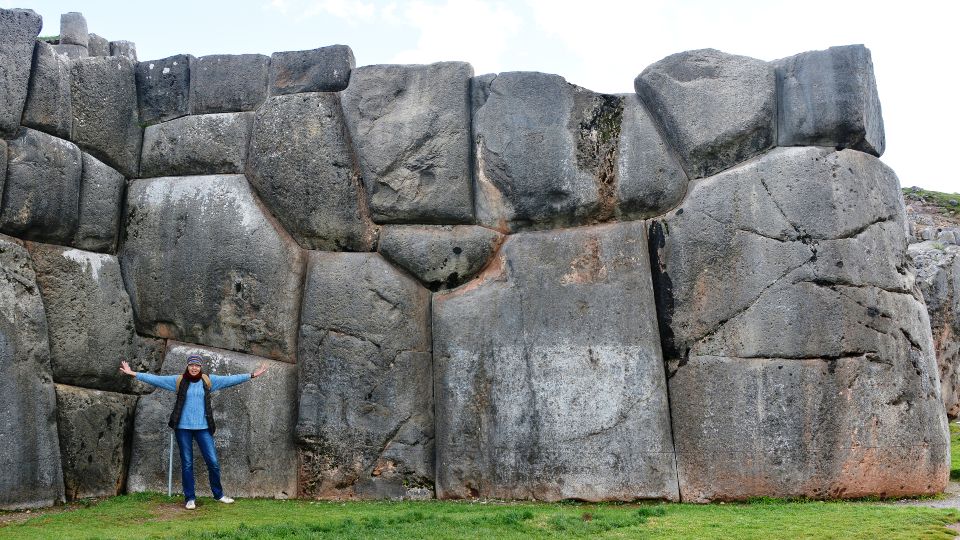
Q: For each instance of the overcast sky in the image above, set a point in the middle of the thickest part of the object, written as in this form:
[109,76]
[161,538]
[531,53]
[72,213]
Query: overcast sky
[601,45]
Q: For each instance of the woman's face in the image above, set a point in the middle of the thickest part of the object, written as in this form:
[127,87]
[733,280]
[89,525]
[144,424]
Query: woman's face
[193,369]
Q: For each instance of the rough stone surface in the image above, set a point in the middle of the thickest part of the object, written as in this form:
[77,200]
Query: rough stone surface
[410,126]
[938,275]
[545,152]
[326,69]
[829,98]
[42,190]
[94,429]
[549,373]
[228,83]
[101,197]
[204,263]
[365,425]
[3,164]
[73,29]
[163,88]
[48,101]
[90,319]
[125,49]
[254,437]
[441,256]
[301,165]
[104,103]
[800,359]
[29,452]
[98,46]
[71,52]
[19,28]
[203,144]
[718,109]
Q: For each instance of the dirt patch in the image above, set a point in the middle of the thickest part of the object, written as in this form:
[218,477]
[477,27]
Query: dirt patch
[19,516]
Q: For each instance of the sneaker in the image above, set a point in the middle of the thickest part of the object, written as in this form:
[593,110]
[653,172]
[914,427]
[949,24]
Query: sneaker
[225,500]
[191,505]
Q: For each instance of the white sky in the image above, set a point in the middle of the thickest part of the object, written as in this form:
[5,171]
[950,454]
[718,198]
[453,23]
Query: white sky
[601,45]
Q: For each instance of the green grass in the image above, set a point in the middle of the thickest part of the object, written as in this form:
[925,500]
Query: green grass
[954,451]
[935,198]
[156,516]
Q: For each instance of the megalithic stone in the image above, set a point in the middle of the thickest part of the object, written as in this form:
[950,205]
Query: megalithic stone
[73,29]
[197,144]
[326,69]
[126,49]
[98,46]
[101,198]
[48,105]
[163,88]
[19,29]
[221,83]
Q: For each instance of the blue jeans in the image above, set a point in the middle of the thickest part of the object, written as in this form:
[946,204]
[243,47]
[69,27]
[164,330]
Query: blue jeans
[185,438]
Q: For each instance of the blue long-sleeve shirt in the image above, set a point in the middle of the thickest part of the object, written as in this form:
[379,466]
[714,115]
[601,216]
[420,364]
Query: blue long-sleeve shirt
[193,416]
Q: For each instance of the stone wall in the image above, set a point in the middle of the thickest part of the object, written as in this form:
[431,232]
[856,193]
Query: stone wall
[501,285]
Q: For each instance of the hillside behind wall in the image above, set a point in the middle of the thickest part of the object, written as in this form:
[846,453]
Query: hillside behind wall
[502,285]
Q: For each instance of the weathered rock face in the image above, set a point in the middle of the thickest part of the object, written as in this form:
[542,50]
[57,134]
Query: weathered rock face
[71,52]
[254,437]
[204,144]
[98,45]
[48,101]
[718,109]
[365,425]
[301,165]
[203,262]
[29,453]
[829,98]
[94,429]
[845,402]
[411,129]
[441,256]
[73,29]
[222,83]
[42,191]
[938,275]
[126,49]
[90,319]
[326,69]
[163,88]
[101,197]
[19,28]
[104,104]
[549,373]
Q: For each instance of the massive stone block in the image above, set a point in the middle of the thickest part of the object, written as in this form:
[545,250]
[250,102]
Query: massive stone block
[42,190]
[938,275]
[204,263]
[90,320]
[19,28]
[302,166]
[254,437]
[365,425]
[48,101]
[549,379]
[29,453]
[829,98]
[73,29]
[326,69]
[799,354]
[222,83]
[104,103]
[71,52]
[441,256]
[95,429]
[545,152]
[410,126]
[163,88]
[98,45]
[126,49]
[101,197]
[717,109]
[204,144]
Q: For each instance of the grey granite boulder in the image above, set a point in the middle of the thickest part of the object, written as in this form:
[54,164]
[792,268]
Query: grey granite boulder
[126,49]
[228,83]
[254,436]
[48,101]
[101,197]
[829,98]
[938,275]
[326,69]
[163,88]
[365,424]
[800,359]
[410,126]
[549,380]
[73,29]
[98,46]
[202,262]
[545,152]
[29,451]
[19,28]
[441,256]
[42,190]
[718,109]
[95,429]
[202,144]
[302,166]
[90,319]
[104,103]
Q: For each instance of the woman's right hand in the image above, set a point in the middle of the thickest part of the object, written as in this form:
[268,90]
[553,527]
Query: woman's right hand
[125,368]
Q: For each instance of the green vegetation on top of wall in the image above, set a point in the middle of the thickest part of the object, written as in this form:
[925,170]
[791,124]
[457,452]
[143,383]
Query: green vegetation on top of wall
[50,39]
[948,202]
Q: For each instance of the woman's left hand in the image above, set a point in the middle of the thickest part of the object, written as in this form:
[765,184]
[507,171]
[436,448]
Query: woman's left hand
[261,369]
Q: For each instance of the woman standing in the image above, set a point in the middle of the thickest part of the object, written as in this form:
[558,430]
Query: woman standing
[192,418]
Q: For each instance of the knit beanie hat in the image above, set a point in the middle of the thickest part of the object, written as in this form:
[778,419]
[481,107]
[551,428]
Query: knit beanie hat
[195,359]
